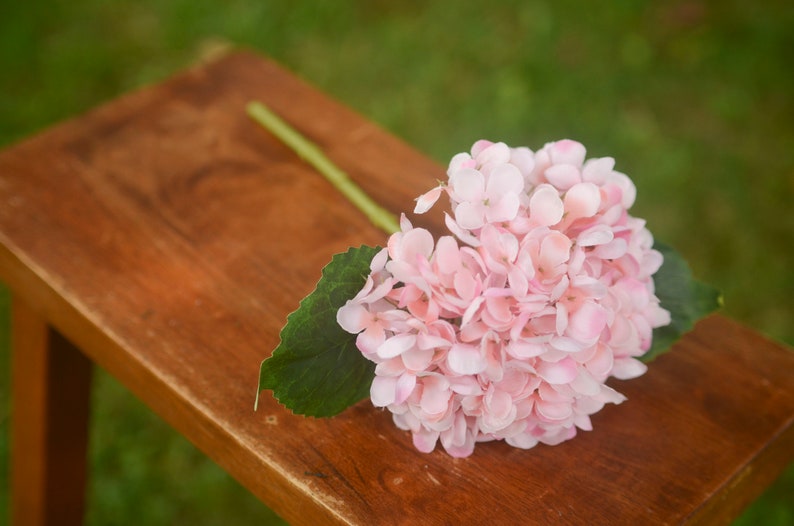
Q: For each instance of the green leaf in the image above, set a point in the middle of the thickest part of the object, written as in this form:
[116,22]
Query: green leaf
[687,299]
[317,370]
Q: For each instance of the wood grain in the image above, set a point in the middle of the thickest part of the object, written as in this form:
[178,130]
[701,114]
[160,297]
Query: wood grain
[168,237]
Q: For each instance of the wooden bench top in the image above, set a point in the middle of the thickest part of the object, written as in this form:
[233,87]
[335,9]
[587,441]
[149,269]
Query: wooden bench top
[168,236]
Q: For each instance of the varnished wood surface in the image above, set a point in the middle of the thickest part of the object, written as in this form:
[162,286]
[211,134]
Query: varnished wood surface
[168,237]
[51,394]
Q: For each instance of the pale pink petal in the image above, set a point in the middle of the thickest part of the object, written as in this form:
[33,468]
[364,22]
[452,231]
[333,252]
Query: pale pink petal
[461,234]
[632,292]
[623,335]
[465,285]
[405,223]
[519,282]
[471,405]
[589,286]
[589,404]
[610,396]
[612,195]
[379,261]
[627,186]
[366,289]
[523,159]
[404,271]
[561,372]
[521,349]
[551,393]
[597,170]
[578,257]
[434,401]
[567,151]
[510,245]
[516,426]
[561,319]
[499,403]
[447,255]
[460,430]
[458,450]
[499,415]
[494,153]
[583,422]
[370,339]
[479,146]
[525,406]
[436,381]
[557,437]
[425,341]
[555,249]
[471,310]
[567,344]
[514,382]
[499,249]
[651,262]
[658,317]
[396,345]
[499,308]
[472,260]
[404,388]
[545,206]
[415,243]
[644,329]
[613,250]
[559,289]
[582,200]
[469,215]
[353,317]
[467,185]
[587,322]
[423,309]
[392,367]
[613,214]
[522,441]
[417,360]
[595,235]
[466,359]
[458,161]
[504,179]
[542,160]
[426,201]
[380,291]
[585,384]
[553,411]
[600,365]
[425,440]
[627,368]
[465,385]
[382,390]
[504,209]
[563,176]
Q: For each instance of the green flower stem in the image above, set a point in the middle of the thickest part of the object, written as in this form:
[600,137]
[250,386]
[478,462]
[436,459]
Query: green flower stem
[309,152]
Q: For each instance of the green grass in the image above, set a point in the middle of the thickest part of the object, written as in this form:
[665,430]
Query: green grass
[693,100]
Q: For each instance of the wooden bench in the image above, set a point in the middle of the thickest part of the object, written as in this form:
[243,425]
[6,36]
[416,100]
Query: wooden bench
[165,237]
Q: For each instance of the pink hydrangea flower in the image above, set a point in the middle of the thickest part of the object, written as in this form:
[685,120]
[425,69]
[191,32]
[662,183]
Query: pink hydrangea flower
[509,328]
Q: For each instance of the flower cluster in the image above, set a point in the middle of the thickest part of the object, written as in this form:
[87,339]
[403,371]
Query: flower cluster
[509,328]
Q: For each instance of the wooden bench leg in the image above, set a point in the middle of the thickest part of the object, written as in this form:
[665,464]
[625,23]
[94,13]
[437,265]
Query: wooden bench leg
[50,402]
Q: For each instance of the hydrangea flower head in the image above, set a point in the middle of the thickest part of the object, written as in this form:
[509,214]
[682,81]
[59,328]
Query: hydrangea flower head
[509,328]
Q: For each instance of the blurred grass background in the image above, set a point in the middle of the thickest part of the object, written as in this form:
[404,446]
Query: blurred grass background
[693,99]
